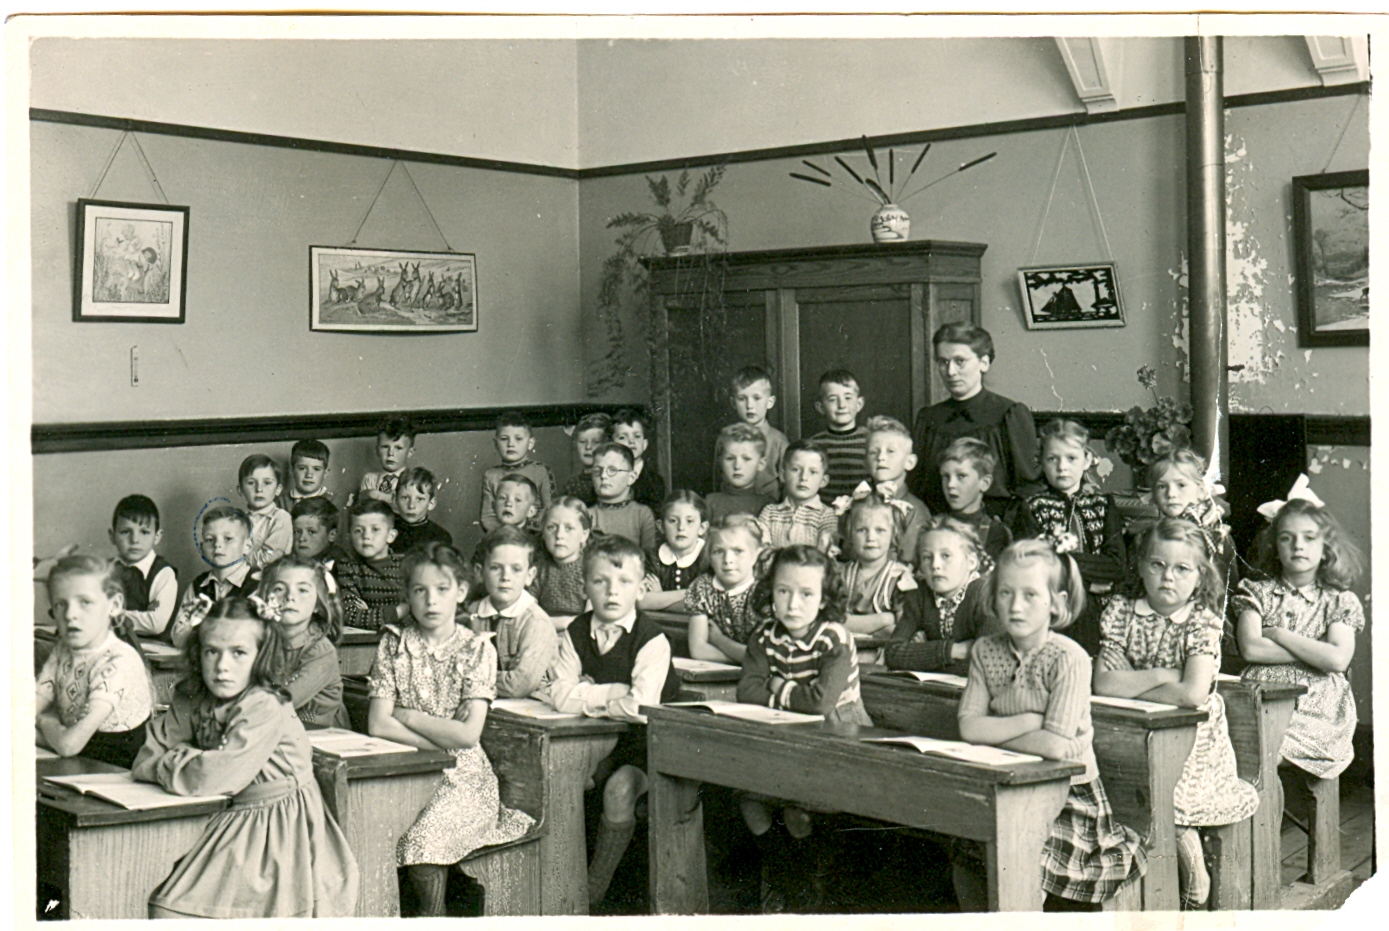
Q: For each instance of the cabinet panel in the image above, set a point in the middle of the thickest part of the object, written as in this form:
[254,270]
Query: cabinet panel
[871,338]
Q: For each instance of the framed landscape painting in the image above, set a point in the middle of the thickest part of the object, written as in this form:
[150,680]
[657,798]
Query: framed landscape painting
[131,262]
[1331,239]
[1062,297]
[381,291]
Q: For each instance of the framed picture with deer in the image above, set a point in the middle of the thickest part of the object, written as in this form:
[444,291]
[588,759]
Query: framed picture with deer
[384,291]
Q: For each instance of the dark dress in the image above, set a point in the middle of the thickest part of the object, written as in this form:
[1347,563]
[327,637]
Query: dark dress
[1006,426]
[922,639]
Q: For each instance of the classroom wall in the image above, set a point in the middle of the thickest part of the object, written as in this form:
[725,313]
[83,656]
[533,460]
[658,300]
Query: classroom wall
[74,493]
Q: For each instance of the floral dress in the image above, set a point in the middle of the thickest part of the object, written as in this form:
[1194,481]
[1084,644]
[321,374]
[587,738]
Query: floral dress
[559,587]
[1134,636]
[1318,738]
[466,812]
[730,611]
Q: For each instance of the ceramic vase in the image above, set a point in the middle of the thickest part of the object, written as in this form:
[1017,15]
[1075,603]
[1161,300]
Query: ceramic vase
[890,224]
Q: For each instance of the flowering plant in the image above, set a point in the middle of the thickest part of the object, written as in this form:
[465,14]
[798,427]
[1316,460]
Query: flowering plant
[1147,435]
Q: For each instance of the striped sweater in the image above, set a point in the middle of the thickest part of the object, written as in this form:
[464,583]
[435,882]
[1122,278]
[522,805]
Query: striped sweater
[847,455]
[820,672]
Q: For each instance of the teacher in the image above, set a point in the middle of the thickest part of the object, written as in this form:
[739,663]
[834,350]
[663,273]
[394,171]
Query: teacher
[963,353]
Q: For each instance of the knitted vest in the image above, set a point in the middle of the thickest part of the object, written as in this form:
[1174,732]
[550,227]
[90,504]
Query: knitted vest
[616,665]
[137,587]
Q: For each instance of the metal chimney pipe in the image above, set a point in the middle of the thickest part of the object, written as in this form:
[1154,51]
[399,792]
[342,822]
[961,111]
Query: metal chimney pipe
[1205,218]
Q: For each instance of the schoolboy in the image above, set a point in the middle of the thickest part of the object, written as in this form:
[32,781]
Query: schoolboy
[591,432]
[889,458]
[515,442]
[614,471]
[371,578]
[516,502]
[150,582]
[966,474]
[395,444]
[224,543]
[802,516]
[612,661]
[844,440]
[632,429]
[272,530]
[414,499]
[524,635]
[308,474]
[753,397]
[740,453]
[316,531]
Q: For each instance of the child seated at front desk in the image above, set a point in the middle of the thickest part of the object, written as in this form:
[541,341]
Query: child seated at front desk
[612,660]
[940,620]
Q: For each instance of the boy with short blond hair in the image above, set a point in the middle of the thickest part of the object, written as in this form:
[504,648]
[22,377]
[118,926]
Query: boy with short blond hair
[844,440]
[753,398]
[889,458]
[316,531]
[414,500]
[966,474]
[395,444]
[149,581]
[524,636]
[802,517]
[224,543]
[740,453]
[515,441]
[371,579]
[308,474]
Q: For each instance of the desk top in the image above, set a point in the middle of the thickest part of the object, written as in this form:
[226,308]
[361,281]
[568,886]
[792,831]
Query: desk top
[823,737]
[88,812]
[1109,714]
[1270,691]
[357,636]
[377,765]
[561,727]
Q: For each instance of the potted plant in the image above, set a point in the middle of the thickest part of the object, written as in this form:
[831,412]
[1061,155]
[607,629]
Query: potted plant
[1148,434]
[680,225]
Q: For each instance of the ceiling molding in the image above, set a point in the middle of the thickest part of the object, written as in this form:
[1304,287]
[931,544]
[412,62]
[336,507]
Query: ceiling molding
[1338,59]
[1094,65]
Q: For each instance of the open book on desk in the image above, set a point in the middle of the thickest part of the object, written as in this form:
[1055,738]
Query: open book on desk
[949,678]
[702,665]
[160,648]
[342,742]
[1133,704]
[758,713]
[120,789]
[531,708]
[959,750]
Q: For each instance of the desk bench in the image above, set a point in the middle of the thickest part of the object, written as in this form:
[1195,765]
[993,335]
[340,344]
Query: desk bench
[1010,809]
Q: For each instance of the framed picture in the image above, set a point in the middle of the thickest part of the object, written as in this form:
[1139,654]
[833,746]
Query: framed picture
[378,291]
[1067,297]
[1331,236]
[131,262]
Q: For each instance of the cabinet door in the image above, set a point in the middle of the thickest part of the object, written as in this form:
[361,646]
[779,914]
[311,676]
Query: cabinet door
[865,329]
[703,360]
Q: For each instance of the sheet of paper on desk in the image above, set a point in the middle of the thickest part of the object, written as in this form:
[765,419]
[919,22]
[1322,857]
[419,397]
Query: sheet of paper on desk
[341,742]
[701,665]
[946,677]
[43,753]
[355,630]
[959,750]
[531,708]
[159,648]
[1226,677]
[120,789]
[759,713]
[1134,704]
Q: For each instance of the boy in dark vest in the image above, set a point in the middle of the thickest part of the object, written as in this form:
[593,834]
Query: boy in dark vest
[612,660]
[151,584]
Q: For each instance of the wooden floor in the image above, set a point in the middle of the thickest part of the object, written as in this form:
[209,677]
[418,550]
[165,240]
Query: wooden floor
[1357,835]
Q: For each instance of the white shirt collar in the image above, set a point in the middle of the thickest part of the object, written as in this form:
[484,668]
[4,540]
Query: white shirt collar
[626,622]
[485,608]
[667,555]
[737,589]
[144,564]
[1143,609]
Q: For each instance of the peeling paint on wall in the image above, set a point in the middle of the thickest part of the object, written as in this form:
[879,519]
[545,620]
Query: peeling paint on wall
[1181,322]
[1254,350]
[1321,458]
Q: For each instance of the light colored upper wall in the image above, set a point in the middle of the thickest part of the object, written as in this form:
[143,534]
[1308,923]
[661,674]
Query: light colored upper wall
[483,98]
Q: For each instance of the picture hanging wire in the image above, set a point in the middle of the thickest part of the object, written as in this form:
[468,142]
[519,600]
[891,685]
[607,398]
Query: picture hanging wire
[1337,147]
[140,151]
[1089,187]
[416,189]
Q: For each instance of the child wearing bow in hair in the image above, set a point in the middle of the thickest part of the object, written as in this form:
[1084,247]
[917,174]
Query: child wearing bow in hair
[1297,625]
[301,599]
[875,582]
[889,458]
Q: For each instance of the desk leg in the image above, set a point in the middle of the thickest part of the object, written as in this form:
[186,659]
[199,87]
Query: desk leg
[379,811]
[1168,750]
[679,875]
[1022,822]
[1267,829]
[563,851]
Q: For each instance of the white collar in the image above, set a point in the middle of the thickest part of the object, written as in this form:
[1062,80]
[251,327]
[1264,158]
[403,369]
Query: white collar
[1143,609]
[815,504]
[737,589]
[668,557]
[144,564]
[626,622]
[268,510]
[520,606]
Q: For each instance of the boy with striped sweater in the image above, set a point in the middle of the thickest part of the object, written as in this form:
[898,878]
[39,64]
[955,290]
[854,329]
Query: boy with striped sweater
[844,441]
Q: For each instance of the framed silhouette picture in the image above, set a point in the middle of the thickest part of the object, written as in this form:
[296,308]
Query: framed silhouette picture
[131,262]
[1071,297]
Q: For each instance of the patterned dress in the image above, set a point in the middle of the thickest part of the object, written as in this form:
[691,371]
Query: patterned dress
[731,612]
[466,812]
[559,587]
[1318,738]
[1135,636]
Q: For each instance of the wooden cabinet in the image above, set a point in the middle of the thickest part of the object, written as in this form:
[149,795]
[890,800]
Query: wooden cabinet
[799,312]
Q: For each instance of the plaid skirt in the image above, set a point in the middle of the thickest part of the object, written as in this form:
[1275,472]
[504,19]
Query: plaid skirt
[1089,855]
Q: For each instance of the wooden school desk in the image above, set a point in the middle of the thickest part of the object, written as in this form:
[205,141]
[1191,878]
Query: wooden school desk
[1140,757]
[105,859]
[1009,808]
[569,748]
[1258,714]
[374,799]
[357,651]
[713,684]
